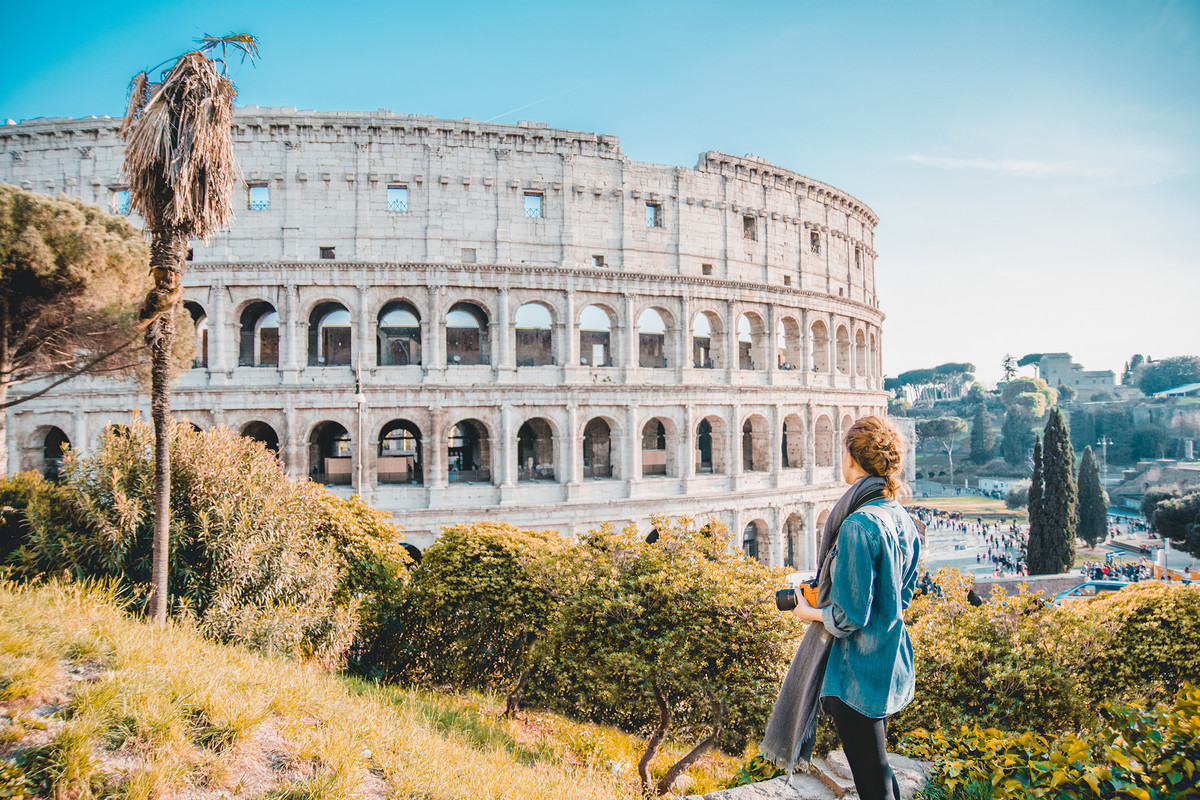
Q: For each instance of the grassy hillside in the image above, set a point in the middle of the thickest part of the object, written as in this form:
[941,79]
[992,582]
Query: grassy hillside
[96,704]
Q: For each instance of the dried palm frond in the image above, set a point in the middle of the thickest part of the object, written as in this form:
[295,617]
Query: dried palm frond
[178,151]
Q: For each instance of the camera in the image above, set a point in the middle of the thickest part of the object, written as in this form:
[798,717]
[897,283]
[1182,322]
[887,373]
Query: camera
[785,599]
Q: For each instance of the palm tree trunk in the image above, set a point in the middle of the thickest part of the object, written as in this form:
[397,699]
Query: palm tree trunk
[166,264]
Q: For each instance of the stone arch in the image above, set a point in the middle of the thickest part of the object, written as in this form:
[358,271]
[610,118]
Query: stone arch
[535,450]
[653,326]
[595,335]
[533,327]
[756,444]
[860,353]
[468,339]
[751,333]
[200,322]
[258,340]
[398,335]
[711,446]
[793,442]
[789,344]
[400,457]
[819,342]
[262,432]
[795,553]
[823,444]
[331,453]
[54,444]
[329,335]
[755,541]
[708,341]
[843,350]
[659,453]
[874,369]
[847,421]
[468,456]
[597,448]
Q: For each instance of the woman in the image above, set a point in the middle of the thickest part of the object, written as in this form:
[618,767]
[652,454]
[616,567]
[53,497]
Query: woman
[870,572]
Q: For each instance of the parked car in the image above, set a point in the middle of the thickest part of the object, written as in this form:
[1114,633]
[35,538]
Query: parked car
[1088,589]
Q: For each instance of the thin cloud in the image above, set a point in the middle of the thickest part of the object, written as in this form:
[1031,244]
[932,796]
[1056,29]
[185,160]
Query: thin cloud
[1008,166]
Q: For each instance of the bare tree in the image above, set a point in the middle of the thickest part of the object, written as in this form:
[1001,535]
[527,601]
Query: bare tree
[181,170]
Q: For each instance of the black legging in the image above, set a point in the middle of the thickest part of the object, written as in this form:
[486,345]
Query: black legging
[864,740]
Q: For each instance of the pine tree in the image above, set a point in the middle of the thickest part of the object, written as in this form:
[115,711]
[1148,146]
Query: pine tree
[983,441]
[1059,515]
[1016,433]
[1035,553]
[1093,503]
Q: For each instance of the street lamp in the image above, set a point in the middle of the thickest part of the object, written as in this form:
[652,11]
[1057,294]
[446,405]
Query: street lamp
[1104,443]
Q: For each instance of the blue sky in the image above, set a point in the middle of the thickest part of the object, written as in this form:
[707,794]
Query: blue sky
[1035,165]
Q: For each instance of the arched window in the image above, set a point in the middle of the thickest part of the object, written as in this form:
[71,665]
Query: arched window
[755,444]
[820,347]
[860,353]
[398,341]
[796,554]
[652,334]
[53,449]
[843,350]
[751,341]
[467,339]
[710,446]
[262,432]
[595,333]
[793,442]
[258,345]
[823,441]
[330,453]
[329,336]
[533,329]
[654,448]
[750,540]
[200,320]
[535,451]
[400,453]
[789,350]
[597,449]
[702,357]
[468,455]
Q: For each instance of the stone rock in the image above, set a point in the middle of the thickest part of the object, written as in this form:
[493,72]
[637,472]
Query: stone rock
[910,774]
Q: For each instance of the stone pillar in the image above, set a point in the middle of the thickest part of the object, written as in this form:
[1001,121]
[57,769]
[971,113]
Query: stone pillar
[292,359]
[736,467]
[733,354]
[629,342]
[687,448]
[218,332]
[433,338]
[810,442]
[572,474]
[771,345]
[778,537]
[812,537]
[292,449]
[633,449]
[683,350]
[363,356]
[434,452]
[570,344]
[508,456]
[503,350]
[805,366]
[79,439]
[831,345]
[775,443]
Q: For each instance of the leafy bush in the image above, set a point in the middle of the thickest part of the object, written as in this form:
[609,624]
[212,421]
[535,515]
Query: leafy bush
[1133,753]
[256,558]
[1017,496]
[481,598]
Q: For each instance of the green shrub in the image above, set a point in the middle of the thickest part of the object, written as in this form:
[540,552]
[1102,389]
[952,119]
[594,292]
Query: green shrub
[482,597]
[256,558]
[1133,753]
[16,493]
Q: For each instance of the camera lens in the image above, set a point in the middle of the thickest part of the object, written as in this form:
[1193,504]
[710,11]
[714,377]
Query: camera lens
[785,599]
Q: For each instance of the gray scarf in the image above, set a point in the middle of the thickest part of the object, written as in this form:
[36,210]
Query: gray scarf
[791,730]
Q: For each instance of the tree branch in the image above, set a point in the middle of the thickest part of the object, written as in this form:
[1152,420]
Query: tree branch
[660,733]
[74,373]
[705,744]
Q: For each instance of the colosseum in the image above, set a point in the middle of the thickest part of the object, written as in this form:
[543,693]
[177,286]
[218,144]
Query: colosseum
[460,320]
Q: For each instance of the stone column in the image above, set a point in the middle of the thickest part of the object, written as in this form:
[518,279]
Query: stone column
[629,343]
[508,456]
[218,333]
[633,450]
[503,351]
[683,358]
[292,358]
[79,442]
[736,467]
[775,443]
[810,442]
[433,340]
[805,366]
[570,341]
[812,537]
[572,450]
[771,345]
[364,354]
[733,357]
[687,448]
[434,448]
[292,447]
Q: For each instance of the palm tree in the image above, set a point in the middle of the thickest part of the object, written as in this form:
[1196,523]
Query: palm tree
[180,165]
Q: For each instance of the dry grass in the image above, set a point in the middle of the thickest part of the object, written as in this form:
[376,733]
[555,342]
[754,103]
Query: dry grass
[93,703]
[971,505]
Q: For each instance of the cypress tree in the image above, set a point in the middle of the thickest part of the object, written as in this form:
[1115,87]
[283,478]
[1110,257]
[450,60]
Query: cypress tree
[983,441]
[1059,514]
[1035,553]
[1093,503]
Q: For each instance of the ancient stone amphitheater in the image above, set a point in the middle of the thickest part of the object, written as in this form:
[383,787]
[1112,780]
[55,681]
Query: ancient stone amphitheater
[464,321]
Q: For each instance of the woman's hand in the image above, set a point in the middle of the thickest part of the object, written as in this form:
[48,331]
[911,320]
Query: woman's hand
[805,611]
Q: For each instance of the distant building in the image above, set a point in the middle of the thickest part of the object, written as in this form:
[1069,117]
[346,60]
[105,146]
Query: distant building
[1128,494]
[1057,369]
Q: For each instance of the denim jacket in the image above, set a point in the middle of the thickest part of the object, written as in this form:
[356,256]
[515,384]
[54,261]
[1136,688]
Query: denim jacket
[873,571]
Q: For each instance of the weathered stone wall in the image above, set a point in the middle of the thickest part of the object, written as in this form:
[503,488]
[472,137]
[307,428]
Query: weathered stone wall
[754,248]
